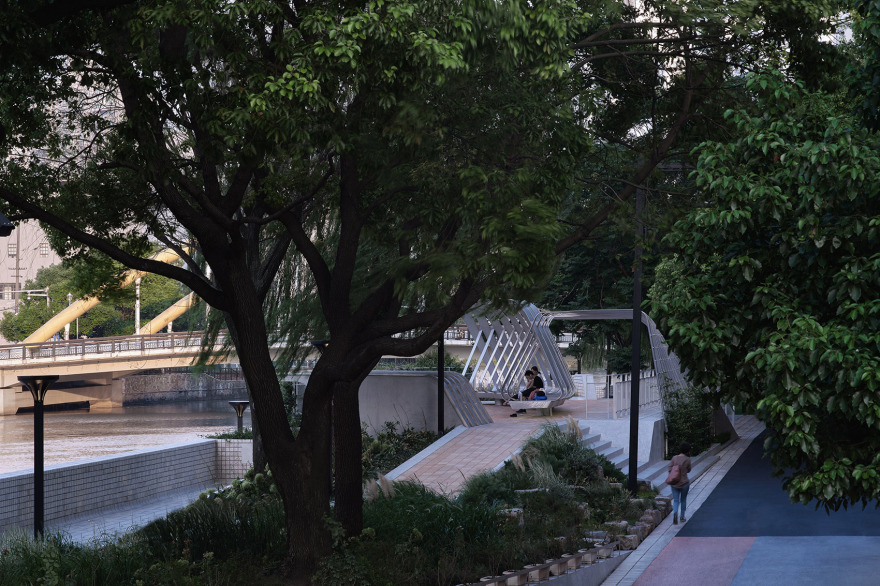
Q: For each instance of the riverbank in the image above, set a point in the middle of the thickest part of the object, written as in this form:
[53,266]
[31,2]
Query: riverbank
[76,435]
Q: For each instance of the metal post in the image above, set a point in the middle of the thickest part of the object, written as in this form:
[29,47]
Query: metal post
[636,352]
[38,387]
[67,325]
[240,407]
[137,307]
[441,391]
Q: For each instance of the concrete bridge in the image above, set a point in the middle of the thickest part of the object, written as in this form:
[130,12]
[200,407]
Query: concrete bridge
[91,369]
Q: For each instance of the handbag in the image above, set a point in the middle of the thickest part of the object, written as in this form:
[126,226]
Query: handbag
[674,474]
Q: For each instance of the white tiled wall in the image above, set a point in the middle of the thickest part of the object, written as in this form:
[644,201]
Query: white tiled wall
[112,481]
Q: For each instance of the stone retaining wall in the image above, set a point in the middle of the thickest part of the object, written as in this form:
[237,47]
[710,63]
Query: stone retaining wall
[111,481]
[155,388]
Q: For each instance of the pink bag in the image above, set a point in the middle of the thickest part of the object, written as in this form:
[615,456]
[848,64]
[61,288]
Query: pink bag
[674,475]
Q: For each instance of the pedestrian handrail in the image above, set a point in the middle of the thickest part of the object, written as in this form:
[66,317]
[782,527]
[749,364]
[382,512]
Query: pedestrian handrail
[95,347]
[649,392]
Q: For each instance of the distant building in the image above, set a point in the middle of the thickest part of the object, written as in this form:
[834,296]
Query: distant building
[22,254]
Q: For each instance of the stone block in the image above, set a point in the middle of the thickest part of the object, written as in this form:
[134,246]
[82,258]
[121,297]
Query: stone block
[657,516]
[617,526]
[629,542]
[642,530]
[514,515]
[589,556]
[559,568]
[518,580]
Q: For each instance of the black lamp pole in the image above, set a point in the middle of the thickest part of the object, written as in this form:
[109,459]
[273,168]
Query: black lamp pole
[636,363]
[441,395]
[38,386]
[240,407]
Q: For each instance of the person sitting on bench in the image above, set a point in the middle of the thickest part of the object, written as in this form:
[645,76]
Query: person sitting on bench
[537,387]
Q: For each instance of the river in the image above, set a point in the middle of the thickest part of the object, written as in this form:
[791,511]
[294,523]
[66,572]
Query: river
[79,435]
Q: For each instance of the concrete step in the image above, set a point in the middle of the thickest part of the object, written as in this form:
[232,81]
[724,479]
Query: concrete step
[601,447]
[699,464]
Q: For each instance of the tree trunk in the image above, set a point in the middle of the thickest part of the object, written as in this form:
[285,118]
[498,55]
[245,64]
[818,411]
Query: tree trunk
[301,468]
[259,453]
[348,452]
[306,485]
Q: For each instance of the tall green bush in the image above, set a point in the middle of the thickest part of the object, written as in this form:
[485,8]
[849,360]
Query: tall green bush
[688,413]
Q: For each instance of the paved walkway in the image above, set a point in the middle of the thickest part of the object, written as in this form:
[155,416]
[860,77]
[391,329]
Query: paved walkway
[469,451]
[743,530]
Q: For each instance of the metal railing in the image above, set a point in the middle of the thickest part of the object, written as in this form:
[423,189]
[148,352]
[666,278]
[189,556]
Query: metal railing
[649,392]
[97,347]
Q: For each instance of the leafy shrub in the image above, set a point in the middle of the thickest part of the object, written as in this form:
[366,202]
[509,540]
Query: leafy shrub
[688,414]
[563,451]
[247,517]
[245,433]
[58,560]
[390,448]
[495,488]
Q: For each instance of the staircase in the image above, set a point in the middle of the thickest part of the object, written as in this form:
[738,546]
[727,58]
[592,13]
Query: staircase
[655,472]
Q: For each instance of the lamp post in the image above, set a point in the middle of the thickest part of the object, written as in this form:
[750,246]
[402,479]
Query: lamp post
[636,357]
[38,386]
[441,384]
[67,325]
[239,407]
[137,311]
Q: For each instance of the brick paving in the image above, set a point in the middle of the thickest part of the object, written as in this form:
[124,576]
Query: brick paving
[482,448]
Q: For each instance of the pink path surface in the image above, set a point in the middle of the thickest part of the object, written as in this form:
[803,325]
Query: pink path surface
[479,449]
[707,561]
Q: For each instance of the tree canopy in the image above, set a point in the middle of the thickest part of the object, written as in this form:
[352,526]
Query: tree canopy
[777,298]
[113,317]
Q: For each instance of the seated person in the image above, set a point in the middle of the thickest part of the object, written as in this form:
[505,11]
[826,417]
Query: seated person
[530,386]
[537,385]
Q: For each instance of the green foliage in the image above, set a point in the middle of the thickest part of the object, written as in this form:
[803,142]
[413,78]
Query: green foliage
[245,433]
[561,449]
[688,414]
[426,361]
[245,519]
[778,305]
[58,560]
[113,317]
[290,400]
[389,448]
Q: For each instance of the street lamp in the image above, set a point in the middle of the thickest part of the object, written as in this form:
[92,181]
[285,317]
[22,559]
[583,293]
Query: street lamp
[239,407]
[38,386]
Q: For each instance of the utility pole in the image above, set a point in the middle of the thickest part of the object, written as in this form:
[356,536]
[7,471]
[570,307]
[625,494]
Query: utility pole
[636,351]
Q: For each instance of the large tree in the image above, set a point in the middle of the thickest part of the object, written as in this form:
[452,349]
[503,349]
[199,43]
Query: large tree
[396,161]
[776,302]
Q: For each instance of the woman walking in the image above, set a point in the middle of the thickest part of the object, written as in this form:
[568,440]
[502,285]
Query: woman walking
[680,485]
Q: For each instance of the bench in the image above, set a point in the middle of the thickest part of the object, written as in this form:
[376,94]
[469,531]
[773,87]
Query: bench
[545,406]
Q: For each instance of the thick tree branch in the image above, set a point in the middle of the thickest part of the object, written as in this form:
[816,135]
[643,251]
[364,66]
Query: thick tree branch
[194,281]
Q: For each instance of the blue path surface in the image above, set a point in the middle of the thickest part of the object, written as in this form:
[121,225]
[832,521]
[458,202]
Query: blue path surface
[747,532]
[750,502]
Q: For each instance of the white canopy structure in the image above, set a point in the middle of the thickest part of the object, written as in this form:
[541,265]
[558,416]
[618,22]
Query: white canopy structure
[505,346]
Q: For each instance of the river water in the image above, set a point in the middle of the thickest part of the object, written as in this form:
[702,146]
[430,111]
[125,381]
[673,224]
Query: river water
[78,435]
